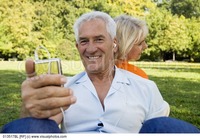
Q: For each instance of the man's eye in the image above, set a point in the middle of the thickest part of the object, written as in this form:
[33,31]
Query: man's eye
[99,40]
[82,42]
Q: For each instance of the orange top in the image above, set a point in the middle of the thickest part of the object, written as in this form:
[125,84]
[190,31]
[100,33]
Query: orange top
[132,68]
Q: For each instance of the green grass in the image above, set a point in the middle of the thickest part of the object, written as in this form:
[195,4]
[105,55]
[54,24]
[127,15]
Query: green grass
[179,84]
[9,95]
[180,87]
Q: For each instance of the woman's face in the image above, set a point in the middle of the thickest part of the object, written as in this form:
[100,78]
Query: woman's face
[136,51]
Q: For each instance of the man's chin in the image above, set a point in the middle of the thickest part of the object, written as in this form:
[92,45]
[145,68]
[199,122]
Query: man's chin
[92,68]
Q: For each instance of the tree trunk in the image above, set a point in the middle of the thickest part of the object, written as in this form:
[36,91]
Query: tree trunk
[174,56]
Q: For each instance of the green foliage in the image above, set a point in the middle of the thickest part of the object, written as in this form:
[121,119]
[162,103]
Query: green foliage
[17,36]
[187,8]
[170,33]
[26,24]
[194,34]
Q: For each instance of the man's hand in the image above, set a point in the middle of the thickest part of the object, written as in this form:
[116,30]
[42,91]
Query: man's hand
[43,95]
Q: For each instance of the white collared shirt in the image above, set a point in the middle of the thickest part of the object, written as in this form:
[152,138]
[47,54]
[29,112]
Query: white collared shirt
[130,101]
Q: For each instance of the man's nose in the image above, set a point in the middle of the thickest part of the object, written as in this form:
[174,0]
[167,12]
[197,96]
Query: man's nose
[91,48]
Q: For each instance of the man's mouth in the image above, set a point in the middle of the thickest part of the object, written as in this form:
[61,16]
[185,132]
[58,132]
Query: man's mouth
[93,58]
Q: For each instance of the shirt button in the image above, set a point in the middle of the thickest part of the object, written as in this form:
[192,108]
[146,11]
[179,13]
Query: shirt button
[100,124]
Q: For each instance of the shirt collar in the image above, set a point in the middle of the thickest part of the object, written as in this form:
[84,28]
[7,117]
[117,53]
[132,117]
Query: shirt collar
[120,77]
[119,80]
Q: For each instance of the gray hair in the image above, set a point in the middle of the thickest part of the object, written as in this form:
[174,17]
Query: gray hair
[110,23]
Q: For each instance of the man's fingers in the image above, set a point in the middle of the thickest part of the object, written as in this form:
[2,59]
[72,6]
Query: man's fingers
[57,102]
[46,80]
[30,68]
[49,107]
[52,91]
[46,113]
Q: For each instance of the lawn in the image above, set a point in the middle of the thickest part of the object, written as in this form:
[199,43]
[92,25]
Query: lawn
[179,84]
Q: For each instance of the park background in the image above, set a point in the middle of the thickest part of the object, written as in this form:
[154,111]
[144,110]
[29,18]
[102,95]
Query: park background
[171,60]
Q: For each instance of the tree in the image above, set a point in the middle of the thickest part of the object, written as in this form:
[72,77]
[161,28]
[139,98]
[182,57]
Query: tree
[134,7]
[16,21]
[187,8]
[167,33]
[25,24]
[176,37]
[194,34]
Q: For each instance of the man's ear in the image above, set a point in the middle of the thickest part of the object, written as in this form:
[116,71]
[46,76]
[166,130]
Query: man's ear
[115,46]
[76,45]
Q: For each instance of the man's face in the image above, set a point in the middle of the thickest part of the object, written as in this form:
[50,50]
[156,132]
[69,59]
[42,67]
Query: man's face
[95,46]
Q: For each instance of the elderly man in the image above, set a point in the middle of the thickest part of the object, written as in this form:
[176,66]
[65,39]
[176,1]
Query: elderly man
[102,99]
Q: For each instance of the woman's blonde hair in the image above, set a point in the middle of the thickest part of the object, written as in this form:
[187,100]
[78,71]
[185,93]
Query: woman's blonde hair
[130,31]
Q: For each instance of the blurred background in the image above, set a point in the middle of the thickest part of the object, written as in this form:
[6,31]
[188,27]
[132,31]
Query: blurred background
[174,26]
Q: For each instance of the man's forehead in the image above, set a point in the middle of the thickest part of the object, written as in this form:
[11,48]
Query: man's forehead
[94,28]
[94,36]
[93,23]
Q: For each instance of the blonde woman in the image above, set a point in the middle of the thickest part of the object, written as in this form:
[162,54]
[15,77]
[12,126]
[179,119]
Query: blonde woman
[131,34]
